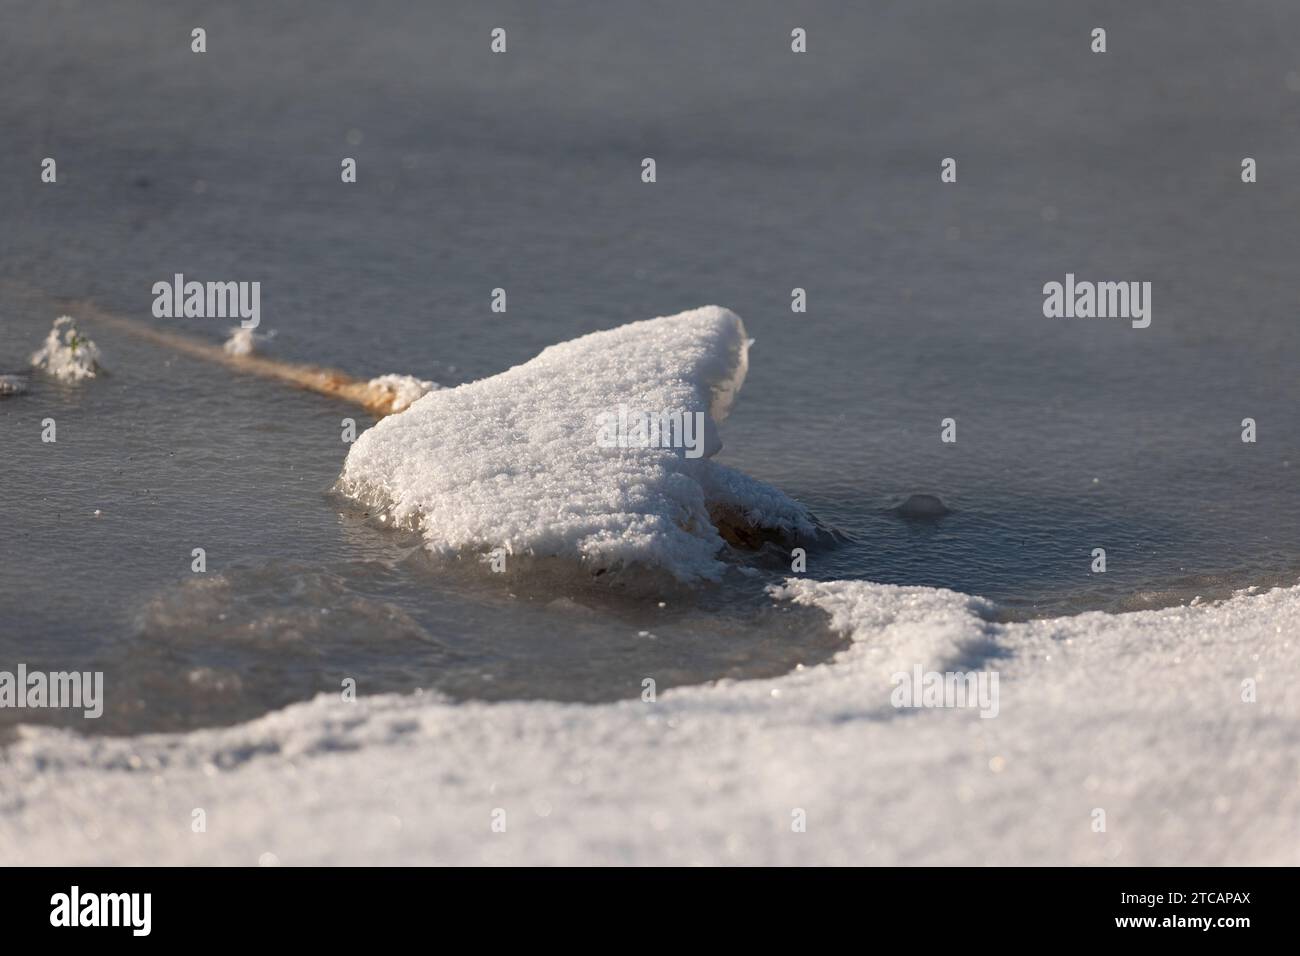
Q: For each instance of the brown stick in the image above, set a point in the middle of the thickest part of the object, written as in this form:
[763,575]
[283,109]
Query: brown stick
[325,381]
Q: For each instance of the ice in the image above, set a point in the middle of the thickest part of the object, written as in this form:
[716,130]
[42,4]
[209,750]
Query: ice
[514,462]
[67,354]
[1140,715]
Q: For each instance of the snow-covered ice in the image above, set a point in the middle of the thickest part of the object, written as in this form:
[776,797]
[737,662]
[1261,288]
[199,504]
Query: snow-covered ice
[513,461]
[1140,715]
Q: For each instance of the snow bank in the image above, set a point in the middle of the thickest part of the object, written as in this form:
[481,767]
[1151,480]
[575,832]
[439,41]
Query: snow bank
[515,461]
[1139,715]
[67,354]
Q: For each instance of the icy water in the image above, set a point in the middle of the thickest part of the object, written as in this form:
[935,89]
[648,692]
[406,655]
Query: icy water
[522,171]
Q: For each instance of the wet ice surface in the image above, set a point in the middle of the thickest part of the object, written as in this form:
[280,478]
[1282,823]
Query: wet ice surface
[820,173]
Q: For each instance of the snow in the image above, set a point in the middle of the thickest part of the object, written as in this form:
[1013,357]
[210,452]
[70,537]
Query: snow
[405,389]
[514,461]
[1140,715]
[67,354]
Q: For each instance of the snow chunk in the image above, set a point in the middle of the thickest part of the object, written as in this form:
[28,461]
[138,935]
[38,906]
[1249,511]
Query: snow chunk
[515,461]
[898,626]
[405,389]
[67,354]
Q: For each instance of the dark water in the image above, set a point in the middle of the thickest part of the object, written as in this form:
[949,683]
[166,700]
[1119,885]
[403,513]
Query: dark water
[523,171]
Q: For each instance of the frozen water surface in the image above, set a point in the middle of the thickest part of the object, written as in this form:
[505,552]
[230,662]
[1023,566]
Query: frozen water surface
[775,172]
